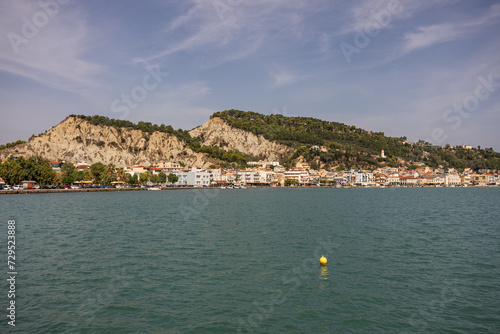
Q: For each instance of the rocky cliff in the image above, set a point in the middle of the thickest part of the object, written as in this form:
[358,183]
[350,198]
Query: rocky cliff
[77,140]
[217,132]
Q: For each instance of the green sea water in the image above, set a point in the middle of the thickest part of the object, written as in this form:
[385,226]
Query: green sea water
[247,260]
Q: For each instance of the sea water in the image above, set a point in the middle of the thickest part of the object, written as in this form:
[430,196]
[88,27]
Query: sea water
[247,260]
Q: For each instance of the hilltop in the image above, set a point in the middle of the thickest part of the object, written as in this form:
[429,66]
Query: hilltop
[237,137]
[333,144]
[100,139]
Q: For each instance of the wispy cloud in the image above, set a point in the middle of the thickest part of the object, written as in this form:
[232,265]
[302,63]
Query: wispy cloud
[244,29]
[426,36]
[283,77]
[363,13]
[430,35]
[186,92]
[52,54]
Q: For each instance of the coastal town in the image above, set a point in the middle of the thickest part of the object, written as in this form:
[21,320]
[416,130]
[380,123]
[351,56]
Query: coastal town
[255,174]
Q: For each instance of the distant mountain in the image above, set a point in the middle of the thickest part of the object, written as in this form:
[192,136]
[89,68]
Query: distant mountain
[236,137]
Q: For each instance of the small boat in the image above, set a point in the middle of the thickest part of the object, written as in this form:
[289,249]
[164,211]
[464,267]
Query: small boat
[243,187]
[223,187]
[230,187]
[154,188]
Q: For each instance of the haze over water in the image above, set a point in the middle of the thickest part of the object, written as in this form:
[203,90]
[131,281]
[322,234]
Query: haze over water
[223,261]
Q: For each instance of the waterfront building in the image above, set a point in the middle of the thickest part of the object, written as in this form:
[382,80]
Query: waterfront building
[452,180]
[393,180]
[257,177]
[193,177]
[298,174]
[479,179]
[216,174]
[330,177]
[314,176]
[380,179]
[465,180]
[361,178]
[408,181]
[167,166]
[132,170]
[491,179]
[430,179]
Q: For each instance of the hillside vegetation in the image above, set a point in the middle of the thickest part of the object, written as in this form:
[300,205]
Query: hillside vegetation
[321,143]
[347,146]
[183,135]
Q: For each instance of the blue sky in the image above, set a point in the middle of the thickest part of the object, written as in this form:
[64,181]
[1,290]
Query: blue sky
[422,69]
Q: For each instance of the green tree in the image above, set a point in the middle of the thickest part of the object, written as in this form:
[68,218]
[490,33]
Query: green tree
[79,175]
[163,177]
[120,174]
[172,178]
[99,171]
[110,171]
[133,179]
[68,169]
[45,174]
[155,178]
[11,170]
[144,177]
[87,175]
[67,180]
[34,168]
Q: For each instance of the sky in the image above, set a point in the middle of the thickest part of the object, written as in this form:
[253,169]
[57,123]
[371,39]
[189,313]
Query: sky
[425,69]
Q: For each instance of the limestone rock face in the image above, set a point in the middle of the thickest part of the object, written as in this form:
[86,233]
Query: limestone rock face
[218,132]
[77,140]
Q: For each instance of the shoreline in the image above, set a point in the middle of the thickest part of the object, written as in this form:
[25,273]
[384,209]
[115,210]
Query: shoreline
[58,191]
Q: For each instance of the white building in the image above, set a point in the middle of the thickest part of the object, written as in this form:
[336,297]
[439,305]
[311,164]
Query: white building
[264,164]
[195,177]
[452,180]
[257,177]
[299,175]
[361,178]
[408,181]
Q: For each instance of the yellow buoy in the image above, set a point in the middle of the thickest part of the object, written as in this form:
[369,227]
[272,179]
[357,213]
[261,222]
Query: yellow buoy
[322,261]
